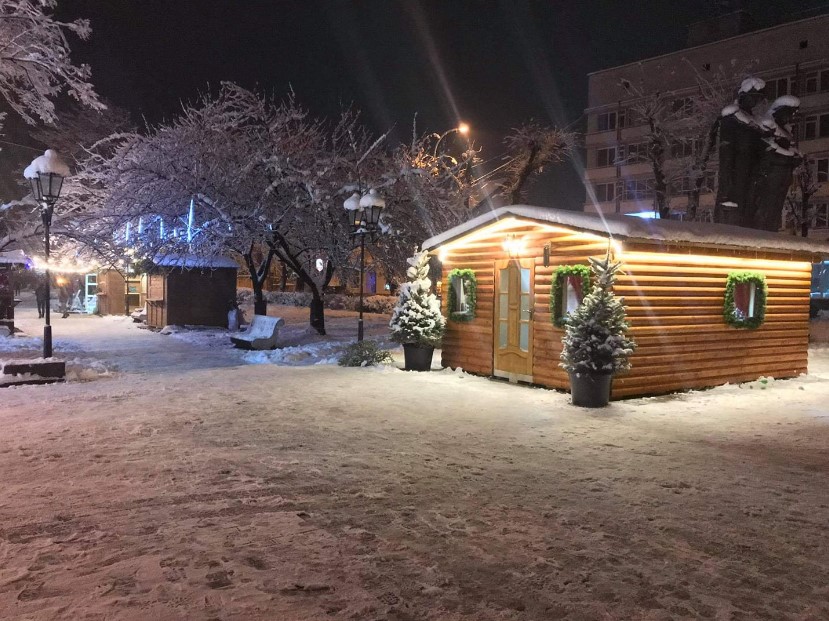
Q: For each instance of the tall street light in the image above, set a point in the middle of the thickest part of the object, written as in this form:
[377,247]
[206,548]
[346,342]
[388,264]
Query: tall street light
[46,174]
[364,218]
[462,128]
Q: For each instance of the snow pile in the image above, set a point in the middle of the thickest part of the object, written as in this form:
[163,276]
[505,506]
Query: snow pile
[86,370]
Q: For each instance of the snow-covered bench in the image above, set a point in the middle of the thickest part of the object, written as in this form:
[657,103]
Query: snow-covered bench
[139,314]
[261,334]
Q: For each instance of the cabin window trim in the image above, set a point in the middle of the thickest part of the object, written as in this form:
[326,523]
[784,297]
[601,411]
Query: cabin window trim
[463,295]
[558,298]
[752,299]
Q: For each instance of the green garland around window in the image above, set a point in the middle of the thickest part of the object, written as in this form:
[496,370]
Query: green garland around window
[557,292]
[733,317]
[470,289]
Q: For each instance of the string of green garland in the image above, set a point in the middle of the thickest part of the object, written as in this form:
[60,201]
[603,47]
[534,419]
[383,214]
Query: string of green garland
[470,289]
[556,294]
[761,291]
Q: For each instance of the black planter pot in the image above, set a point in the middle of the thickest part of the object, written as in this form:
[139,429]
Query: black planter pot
[417,357]
[590,390]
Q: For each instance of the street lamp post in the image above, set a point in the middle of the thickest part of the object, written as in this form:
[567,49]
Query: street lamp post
[364,218]
[462,128]
[46,174]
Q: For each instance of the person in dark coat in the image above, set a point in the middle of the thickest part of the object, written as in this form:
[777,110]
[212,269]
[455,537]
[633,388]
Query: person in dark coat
[41,295]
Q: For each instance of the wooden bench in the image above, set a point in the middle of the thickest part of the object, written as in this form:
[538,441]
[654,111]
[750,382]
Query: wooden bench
[139,314]
[261,334]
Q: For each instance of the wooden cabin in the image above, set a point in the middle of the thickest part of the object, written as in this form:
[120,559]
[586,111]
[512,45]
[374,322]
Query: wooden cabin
[677,278]
[189,290]
[117,296]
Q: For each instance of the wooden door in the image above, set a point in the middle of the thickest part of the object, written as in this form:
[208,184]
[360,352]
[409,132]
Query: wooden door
[513,324]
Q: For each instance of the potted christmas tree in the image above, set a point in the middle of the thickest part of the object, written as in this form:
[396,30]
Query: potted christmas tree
[595,341]
[416,321]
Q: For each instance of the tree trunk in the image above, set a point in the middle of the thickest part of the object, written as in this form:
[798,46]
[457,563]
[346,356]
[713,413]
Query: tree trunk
[258,277]
[701,165]
[522,176]
[660,182]
[317,315]
[282,250]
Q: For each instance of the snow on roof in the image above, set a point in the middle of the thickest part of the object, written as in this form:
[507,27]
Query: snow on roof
[49,162]
[625,227]
[192,261]
[14,257]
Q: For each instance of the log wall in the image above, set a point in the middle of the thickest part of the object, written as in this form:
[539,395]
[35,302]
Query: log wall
[674,298]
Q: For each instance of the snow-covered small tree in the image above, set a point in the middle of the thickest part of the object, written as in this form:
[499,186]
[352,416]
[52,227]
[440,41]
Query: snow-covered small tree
[416,318]
[595,338]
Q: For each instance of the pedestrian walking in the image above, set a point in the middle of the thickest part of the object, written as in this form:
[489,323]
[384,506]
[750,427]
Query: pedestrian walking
[41,295]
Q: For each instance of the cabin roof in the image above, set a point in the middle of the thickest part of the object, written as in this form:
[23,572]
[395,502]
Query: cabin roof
[192,261]
[620,227]
[14,257]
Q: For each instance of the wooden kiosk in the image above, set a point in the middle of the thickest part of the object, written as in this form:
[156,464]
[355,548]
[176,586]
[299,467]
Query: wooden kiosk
[190,290]
[678,280]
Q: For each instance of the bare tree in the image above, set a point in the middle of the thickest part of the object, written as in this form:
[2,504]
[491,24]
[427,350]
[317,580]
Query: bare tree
[530,149]
[34,60]
[682,134]
[798,208]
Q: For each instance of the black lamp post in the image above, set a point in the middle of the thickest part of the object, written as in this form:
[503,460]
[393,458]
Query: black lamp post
[364,218]
[46,174]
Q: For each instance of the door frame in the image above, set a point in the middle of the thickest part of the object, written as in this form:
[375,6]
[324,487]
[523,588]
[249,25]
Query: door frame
[525,263]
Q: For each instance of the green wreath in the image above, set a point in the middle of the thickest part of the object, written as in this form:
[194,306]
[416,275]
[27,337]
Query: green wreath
[733,316]
[470,289]
[556,295]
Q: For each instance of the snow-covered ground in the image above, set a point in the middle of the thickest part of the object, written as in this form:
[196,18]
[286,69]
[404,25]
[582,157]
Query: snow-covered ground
[173,479]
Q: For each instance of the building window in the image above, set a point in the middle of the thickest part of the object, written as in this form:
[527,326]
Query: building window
[682,107]
[776,88]
[821,216]
[608,121]
[462,295]
[810,82]
[605,192]
[634,153]
[821,169]
[606,157]
[816,126]
[745,300]
[570,284]
[638,189]
[824,80]
[685,185]
[683,148]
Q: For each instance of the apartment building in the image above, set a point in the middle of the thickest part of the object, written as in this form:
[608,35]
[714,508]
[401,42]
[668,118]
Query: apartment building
[792,58]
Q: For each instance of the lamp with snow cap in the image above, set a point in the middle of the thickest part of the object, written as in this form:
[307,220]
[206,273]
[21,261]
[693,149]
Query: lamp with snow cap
[46,174]
[364,218]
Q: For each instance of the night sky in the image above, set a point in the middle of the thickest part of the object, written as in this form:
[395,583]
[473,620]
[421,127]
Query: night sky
[494,64]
